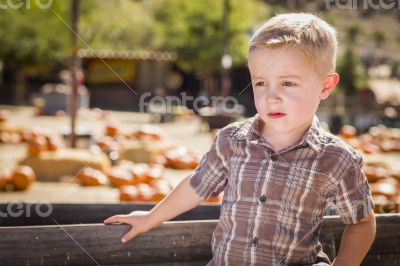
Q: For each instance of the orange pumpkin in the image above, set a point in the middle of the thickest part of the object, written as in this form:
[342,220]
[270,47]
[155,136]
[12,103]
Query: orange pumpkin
[181,158]
[140,172]
[15,138]
[145,192]
[111,130]
[4,115]
[348,132]
[5,137]
[23,177]
[374,173]
[148,132]
[5,179]
[36,146]
[51,144]
[104,142]
[92,177]
[387,189]
[155,173]
[128,193]
[119,177]
[162,188]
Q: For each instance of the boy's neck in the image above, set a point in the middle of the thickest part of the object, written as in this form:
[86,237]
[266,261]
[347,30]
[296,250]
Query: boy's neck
[280,141]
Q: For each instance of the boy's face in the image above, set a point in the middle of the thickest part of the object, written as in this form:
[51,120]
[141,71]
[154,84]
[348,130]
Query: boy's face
[287,88]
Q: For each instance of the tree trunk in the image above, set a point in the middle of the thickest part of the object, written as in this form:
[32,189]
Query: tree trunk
[20,86]
[74,67]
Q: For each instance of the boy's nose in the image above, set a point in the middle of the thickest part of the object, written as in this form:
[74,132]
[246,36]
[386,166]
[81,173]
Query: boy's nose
[273,97]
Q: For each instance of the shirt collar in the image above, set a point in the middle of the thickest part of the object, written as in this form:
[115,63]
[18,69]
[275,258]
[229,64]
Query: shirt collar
[311,137]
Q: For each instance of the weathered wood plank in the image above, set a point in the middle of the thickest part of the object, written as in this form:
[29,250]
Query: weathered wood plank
[55,245]
[381,260]
[90,213]
[87,213]
[387,239]
[173,242]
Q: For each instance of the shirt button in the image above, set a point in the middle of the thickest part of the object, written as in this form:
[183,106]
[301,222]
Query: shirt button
[255,241]
[263,199]
[274,157]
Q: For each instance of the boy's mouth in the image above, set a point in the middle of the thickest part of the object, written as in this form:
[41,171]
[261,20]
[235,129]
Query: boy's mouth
[276,115]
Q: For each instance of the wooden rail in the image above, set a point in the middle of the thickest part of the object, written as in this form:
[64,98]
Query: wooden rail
[173,243]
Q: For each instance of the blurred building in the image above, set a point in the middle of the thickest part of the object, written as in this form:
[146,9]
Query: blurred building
[116,79]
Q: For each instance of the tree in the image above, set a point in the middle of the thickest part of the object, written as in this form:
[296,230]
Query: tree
[379,37]
[349,69]
[117,25]
[353,32]
[193,29]
[31,36]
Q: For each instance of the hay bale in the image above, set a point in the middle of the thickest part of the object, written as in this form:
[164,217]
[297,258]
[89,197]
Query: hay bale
[10,127]
[50,166]
[143,151]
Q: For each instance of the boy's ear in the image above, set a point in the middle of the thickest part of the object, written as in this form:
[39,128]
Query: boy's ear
[330,82]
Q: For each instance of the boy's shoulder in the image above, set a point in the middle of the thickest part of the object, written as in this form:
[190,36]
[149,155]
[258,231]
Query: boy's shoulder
[335,147]
[240,130]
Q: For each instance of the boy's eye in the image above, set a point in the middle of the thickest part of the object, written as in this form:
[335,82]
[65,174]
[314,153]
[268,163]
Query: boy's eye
[288,84]
[260,84]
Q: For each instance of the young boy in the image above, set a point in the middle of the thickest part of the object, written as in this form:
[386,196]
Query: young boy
[279,169]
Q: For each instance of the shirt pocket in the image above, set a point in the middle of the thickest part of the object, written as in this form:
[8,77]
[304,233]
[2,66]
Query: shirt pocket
[305,180]
[244,178]
[303,199]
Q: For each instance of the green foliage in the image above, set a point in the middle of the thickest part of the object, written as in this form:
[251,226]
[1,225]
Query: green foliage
[395,69]
[379,37]
[193,29]
[330,19]
[33,35]
[276,10]
[116,25]
[351,75]
[353,32]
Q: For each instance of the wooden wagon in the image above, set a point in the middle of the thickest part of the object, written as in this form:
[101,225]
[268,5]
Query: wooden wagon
[74,235]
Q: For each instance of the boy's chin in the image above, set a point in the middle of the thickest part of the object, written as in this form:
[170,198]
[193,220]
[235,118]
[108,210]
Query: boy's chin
[278,125]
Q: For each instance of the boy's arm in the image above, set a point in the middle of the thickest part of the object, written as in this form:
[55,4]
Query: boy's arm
[355,205]
[181,199]
[356,241]
[208,180]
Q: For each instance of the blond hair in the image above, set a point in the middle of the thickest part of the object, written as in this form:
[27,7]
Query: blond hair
[315,37]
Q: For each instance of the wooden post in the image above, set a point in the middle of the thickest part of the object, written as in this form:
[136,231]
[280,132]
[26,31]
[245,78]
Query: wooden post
[225,79]
[74,68]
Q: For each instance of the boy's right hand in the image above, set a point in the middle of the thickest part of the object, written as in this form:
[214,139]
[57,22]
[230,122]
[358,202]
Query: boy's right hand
[139,220]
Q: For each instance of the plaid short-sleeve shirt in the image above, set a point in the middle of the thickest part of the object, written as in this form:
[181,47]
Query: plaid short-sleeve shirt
[273,203]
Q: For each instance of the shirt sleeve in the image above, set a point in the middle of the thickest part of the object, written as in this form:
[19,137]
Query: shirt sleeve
[353,198]
[210,177]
